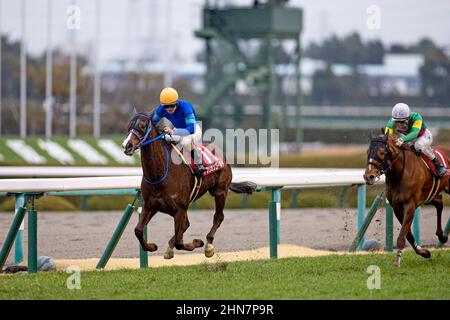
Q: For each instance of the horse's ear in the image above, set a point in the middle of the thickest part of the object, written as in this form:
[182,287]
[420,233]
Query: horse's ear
[134,111]
[382,131]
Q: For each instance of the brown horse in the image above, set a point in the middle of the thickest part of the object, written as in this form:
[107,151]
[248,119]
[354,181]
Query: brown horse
[167,186]
[409,184]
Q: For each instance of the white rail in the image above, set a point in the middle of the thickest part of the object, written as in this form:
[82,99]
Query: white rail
[268,177]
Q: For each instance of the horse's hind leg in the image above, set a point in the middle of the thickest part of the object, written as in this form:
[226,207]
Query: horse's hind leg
[145,217]
[220,198]
[437,203]
[181,222]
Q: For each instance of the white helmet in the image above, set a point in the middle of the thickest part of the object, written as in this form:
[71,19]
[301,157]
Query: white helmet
[400,112]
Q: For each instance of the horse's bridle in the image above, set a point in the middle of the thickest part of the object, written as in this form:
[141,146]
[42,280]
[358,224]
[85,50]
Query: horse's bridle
[135,130]
[144,140]
[384,167]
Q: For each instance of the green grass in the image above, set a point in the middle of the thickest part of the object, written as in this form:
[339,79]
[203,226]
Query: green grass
[329,277]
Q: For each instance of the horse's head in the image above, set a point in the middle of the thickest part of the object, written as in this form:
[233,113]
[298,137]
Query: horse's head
[139,129]
[377,157]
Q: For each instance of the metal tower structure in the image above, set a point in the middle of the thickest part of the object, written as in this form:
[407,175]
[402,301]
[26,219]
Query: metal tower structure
[240,49]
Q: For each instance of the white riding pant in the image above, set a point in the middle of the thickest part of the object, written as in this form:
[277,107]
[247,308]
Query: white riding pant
[423,144]
[187,142]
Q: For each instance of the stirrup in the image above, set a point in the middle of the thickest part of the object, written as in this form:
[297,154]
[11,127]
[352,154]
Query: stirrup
[441,171]
[200,170]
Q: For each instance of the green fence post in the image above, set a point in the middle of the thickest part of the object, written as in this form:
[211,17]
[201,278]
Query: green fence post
[294,197]
[274,222]
[84,203]
[18,243]
[362,230]
[416,226]
[32,240]
[143,255]
[244,201]
[7,245]
[342,194]
[446,232]
[389,227]
[361,210]
[115,237]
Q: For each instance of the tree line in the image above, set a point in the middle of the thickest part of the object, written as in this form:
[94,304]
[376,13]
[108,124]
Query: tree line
[122,92]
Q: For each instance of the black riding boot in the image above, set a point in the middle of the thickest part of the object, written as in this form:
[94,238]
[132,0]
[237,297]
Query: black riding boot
[440,168]
[198,161]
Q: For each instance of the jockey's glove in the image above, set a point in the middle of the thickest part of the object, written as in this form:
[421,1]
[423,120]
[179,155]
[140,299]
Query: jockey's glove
[172,138]
[399,142]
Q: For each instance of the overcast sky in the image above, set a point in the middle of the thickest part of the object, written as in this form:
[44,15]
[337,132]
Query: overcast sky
[132,28]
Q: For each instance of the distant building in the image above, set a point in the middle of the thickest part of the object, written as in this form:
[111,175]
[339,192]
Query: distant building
[399,74]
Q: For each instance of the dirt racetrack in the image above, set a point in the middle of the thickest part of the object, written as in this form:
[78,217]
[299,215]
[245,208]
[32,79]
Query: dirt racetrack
[83,235]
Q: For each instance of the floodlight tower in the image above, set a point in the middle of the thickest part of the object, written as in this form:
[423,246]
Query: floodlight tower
[229,32]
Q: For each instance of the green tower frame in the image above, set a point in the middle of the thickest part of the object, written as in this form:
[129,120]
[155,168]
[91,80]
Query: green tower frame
[224,31]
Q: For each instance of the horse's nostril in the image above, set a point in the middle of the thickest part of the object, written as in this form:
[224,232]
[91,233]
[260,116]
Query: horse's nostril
[128,147]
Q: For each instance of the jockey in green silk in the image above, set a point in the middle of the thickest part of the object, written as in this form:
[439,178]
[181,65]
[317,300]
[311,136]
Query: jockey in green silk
[411,128]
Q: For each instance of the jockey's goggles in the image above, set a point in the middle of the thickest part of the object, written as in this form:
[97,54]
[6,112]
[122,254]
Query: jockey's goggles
[169,106]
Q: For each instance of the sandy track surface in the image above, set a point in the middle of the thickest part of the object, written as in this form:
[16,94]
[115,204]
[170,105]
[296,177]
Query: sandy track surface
[84,235]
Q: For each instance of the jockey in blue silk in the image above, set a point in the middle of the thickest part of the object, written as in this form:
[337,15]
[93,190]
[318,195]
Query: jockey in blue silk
[187,132]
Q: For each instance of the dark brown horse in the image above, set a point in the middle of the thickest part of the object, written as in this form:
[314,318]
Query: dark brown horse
[409,184]
[167,186]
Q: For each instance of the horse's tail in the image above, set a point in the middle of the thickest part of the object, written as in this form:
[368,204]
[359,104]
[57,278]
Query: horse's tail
[243,187]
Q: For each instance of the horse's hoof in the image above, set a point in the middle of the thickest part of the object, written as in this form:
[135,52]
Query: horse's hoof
[169,254]
[426,254]
[151,247]
[209,250]
[198,243]
[443,239]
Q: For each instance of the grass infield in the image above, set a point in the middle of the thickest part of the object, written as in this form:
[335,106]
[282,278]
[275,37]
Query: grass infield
[327,277]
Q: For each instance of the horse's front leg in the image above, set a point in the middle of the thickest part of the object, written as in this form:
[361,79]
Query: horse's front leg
[408,217]
[418,249]
[181,223]
[145,217]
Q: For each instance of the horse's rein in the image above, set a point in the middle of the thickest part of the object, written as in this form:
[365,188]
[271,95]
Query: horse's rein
[384,167]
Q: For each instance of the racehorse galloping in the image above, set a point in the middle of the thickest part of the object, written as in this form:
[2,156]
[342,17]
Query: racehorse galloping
[409,185]
[167,186]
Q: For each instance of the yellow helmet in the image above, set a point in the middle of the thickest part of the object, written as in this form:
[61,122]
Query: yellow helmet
[168,96]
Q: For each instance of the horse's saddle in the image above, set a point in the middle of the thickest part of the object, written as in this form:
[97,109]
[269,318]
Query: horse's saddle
[210,161]
[429,163]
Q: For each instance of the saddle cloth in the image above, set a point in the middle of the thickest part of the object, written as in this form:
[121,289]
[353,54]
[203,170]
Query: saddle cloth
[211,162]
[442,160]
